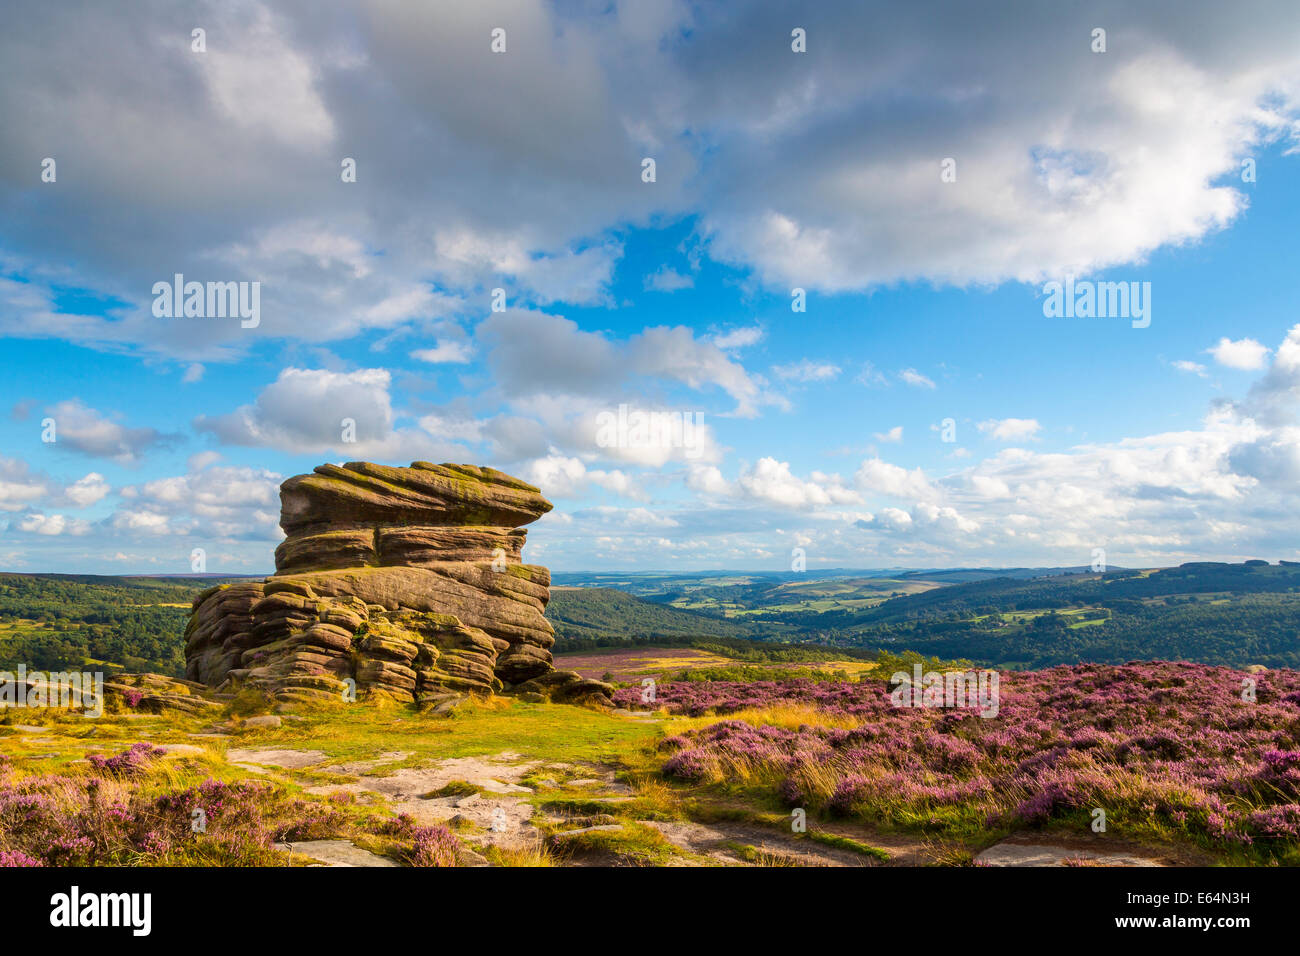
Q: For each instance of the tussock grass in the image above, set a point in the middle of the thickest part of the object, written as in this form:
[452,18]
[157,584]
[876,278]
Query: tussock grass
[759,856]
[532,855]
[790,716]
[635,844]
[455,788]
[949,854]
[655,799]
[848,843]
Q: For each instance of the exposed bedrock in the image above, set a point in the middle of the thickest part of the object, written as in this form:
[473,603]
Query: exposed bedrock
[403,583]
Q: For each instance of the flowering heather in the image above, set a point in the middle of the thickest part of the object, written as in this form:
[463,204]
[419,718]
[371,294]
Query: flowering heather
[433,846]
[128,763]
[15,858]
[430,846]
[1160,746]
[85,821]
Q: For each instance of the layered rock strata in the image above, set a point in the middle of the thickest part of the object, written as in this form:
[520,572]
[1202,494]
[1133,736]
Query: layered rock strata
[404,583]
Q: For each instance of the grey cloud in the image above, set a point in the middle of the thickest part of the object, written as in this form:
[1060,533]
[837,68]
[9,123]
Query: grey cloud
[818,169]
[89,432]
[313,411]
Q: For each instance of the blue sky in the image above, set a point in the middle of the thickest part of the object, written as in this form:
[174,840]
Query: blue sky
[775,170]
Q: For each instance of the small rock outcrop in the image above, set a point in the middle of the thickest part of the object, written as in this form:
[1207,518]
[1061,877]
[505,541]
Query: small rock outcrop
[403,583]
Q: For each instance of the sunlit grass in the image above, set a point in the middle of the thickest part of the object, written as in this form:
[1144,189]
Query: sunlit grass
[790,716]
[546,732]
[528,856]
[634,844]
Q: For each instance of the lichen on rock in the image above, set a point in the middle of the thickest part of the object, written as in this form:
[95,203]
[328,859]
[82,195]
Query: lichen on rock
[398,583]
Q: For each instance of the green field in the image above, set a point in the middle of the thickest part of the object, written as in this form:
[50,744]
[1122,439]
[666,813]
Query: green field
[803,597]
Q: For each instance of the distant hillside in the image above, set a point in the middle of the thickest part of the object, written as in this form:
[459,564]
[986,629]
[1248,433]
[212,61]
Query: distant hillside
[649,583]
[1233,614]
[609,613]
[966,575]
[56,621]
[1067,590]
[1230,614]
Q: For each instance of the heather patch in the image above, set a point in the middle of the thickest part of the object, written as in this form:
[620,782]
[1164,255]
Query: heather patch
[1166,749]
[426,845]
[91,821]
[127,810]
[129,763]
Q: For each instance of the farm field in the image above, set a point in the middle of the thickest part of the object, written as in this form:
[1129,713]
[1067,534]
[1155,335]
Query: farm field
[836,594]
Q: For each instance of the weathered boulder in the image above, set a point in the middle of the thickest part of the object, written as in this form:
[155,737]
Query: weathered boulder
[155,693]
[568,687]
[362,495]
[398,583]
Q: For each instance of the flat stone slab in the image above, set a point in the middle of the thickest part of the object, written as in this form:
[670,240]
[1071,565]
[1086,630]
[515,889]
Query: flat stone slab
[335,853]
[265,722]
[500,815]
[359,767]
[406,783]
[606,782]
[713,841]
[286,759]
[1039,854]
[183,750]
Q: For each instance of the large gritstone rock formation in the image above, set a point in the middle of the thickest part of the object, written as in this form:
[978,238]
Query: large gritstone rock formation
[405,583]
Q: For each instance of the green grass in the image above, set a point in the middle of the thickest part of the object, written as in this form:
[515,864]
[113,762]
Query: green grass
[534,731]
[848,843]
[635,843]
[758,856]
